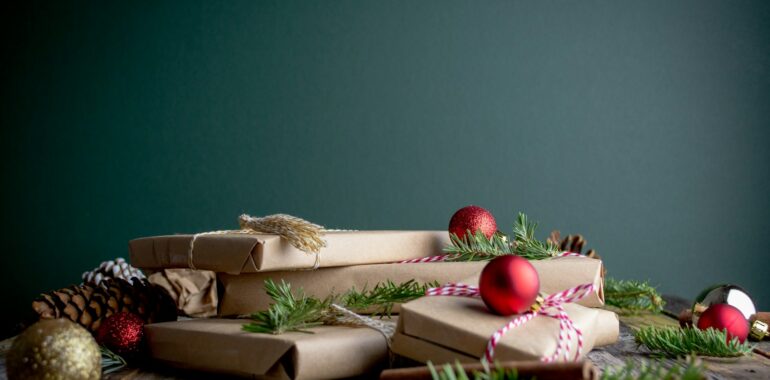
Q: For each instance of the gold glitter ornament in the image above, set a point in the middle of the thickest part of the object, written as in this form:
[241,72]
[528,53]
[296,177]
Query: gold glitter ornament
[54,349]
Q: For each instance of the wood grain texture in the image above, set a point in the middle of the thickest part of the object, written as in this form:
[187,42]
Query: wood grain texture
[753,366]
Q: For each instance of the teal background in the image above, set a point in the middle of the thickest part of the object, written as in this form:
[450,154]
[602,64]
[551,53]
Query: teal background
[642,125]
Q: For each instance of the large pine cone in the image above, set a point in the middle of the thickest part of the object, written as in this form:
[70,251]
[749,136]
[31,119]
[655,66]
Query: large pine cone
[572,243]
[117,268]
[90,304]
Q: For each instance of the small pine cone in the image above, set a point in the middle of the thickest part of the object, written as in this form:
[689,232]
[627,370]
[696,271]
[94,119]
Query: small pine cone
[90,304]
[572,243]
[117,268]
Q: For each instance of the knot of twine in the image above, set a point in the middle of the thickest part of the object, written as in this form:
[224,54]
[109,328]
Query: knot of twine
[301,234]
[552,306]
[345,317]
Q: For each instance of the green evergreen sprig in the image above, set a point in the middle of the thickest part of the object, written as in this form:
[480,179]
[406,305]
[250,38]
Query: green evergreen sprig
[632,296]
[691,369]
[111,362]
[476,246]
[675,342]
[296,311]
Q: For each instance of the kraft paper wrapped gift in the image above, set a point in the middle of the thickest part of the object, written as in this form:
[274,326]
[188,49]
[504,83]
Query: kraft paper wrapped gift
[221,346]
[245,293]
[239,253]
[449,328]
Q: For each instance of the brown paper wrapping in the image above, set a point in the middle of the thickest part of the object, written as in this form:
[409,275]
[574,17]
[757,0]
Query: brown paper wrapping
[459,327]
[245,253]
[219,345]
[194,291]
[245,294]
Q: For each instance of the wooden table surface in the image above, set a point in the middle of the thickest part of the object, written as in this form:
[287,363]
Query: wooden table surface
[754,366]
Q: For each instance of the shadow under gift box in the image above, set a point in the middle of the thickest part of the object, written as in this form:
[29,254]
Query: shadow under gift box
[245,293]
[221,346]
[448,328]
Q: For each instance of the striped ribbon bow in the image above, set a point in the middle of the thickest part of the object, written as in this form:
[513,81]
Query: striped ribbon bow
[552,306]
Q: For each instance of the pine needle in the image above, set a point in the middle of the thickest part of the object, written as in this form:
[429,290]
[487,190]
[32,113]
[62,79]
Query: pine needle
[675,341]
[632,296]
[691,370]
[447,372]
[295,311]
[476,246]
[380,299]
[111,362]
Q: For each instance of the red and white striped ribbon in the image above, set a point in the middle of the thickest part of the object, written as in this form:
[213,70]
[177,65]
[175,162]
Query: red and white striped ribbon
[552,306]
[450,256]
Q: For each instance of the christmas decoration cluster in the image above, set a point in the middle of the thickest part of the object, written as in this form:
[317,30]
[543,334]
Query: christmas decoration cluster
[423,295]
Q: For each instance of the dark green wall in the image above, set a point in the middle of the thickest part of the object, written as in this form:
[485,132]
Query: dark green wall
[643,125]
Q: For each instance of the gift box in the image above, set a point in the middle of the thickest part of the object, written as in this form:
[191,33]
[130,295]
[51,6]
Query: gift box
[449,328]
[240,253]
[244,293]
[221,346]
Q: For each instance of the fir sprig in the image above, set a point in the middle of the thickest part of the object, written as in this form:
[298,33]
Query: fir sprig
[632,296]
[296,311]
[289,312]
[675,341]
[111,362]
[380,299]
[476,246]
[692,369]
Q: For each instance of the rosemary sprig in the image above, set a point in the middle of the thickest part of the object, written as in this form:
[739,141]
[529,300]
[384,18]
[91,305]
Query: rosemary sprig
[632,296]
[295,311]
[675,341]
[111,362]
[380,299]
[691,369]
[476,246]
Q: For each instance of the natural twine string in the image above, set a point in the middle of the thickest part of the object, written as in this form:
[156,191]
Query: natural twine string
[303,235]
[345,317]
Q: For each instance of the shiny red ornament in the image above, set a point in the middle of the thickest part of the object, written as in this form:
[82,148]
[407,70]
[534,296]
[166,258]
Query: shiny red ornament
[722,316]
[122,333]
[472,218]
[509,285]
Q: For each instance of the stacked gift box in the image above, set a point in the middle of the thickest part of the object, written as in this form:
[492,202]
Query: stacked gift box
[437,329]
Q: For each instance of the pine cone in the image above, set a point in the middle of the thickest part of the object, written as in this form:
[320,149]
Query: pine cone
[572,243]
[90,304]
[117,268]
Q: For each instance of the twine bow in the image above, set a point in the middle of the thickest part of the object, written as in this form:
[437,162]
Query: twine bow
[303,235]
[552,306]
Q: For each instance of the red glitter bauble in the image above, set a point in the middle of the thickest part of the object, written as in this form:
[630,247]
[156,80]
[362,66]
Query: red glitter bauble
[509,285]
[722,316]
[122,333]
[472,218]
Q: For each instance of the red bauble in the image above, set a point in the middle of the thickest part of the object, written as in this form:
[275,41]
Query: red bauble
[472,218]
[722,316]
[509,285]
[122,333]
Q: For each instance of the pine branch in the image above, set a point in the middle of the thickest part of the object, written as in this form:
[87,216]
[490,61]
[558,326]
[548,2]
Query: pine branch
[298,312]
[476,246]
[692,369]
[526,245]
[675,341]
[656,370]
[632,296]
[288,312]
[380,299]
[111,362]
